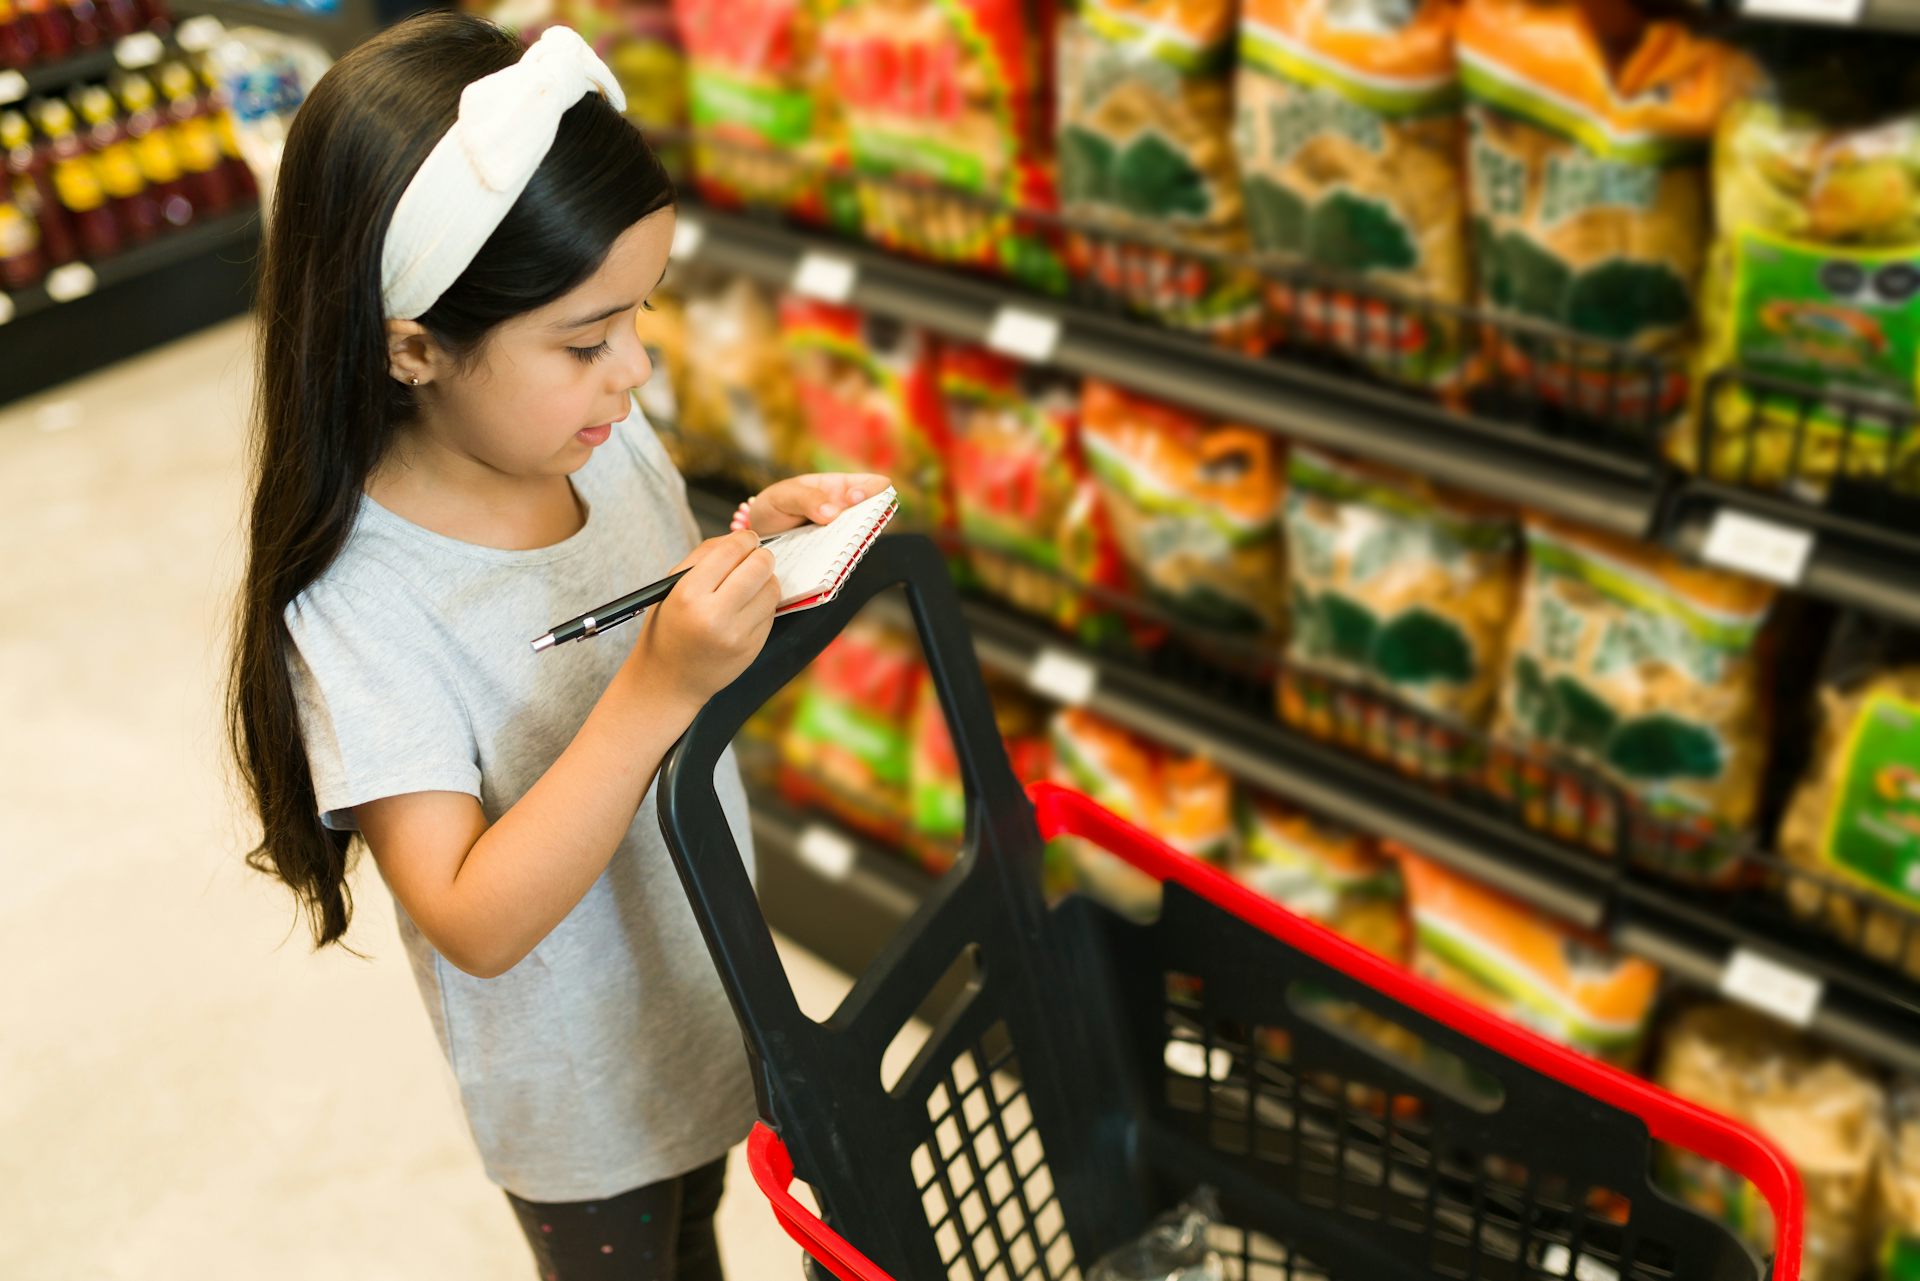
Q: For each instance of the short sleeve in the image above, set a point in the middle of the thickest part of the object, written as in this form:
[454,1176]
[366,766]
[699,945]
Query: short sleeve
[379,711]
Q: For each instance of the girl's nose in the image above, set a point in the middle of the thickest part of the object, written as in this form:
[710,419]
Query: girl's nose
[631,372]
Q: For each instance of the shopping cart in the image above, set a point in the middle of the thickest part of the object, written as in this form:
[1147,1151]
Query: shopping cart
[1086,1072]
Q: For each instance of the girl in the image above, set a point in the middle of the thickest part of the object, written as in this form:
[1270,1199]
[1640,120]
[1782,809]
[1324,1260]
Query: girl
[449,459]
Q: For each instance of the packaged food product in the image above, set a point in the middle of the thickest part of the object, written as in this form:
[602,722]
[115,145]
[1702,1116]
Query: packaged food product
[738,412]
[1649,672]
[1334,876]
[1854,820]
[942,98]
[1561,982]
[847,748]
[1397,585]
[662,327]
[1195,507]
[765,123]
[1899,1257]
[1813,281]
[1145,108]
[1824,1113]
[1588,131]
[937,799]
[870,400]
[1350,137]
[1186,803]
[1026,505]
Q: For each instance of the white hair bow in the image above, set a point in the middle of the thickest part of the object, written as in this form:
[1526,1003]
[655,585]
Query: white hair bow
[481,165]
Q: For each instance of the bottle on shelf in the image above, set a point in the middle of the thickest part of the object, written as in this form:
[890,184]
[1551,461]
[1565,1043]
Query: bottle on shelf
[153,16]
[18,47]
[30,176]
[121,17]
[196,141]
[47,20]
[150,135]
[84,20]
[135,206]
[218,105]
[76,180]
[20,261]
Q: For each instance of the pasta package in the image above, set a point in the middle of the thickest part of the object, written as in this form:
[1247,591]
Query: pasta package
[869,399]
[1397,585]
[1145,119]
[937,797]
[763,118]
[1026,505]
[662,329]
[848,747]
[1855,817]
[738,412]
[945,92]
[1334,876]
[1814,281]
[1351,143]
[1824,1114]
[1588,190]
[1648,671]
[1563,983]
[1195,507]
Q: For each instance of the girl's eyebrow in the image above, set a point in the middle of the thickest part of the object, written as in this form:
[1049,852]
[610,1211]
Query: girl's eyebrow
[596,317]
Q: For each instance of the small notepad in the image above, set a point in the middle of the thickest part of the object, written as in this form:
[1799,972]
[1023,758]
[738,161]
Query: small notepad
[813,562]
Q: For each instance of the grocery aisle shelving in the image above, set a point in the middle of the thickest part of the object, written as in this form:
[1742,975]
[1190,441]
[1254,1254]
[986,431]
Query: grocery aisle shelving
[1872,566]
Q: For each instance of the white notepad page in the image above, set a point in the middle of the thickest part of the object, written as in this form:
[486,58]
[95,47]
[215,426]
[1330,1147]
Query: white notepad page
[815,559]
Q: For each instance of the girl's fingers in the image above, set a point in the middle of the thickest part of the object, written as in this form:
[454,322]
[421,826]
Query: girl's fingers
[714,561]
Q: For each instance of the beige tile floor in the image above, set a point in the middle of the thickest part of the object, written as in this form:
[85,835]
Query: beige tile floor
[186,1090]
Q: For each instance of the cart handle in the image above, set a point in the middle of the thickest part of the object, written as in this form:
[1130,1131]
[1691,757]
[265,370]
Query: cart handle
[772,1168]
[1061,811]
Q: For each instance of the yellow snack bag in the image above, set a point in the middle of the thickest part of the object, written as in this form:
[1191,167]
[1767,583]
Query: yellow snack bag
[1324,872]
[1349,132]
[1588,131]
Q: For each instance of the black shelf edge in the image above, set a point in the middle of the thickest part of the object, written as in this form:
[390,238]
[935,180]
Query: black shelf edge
[51,77]
[1298,401]
[1895,17]
[843,919]
[239,232]
[336,32]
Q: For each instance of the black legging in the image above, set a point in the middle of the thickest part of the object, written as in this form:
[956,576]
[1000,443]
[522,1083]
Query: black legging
[662,1232]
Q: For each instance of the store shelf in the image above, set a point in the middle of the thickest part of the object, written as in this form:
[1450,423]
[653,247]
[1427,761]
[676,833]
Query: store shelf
[1871,15]
[1300,401]
[336,32]
[106,311]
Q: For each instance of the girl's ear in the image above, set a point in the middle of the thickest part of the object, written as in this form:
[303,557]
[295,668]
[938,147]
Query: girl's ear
[412,355]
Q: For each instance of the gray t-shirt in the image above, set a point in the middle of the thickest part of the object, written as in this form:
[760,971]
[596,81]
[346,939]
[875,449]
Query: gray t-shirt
[608,1058]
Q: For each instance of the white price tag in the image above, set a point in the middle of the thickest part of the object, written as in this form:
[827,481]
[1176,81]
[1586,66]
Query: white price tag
[1843,12]
[1770,987]
[826,852]
[1063,677]
[828,277]
[199,34]
[1763,548]
[13,87]
[6,309]
[689,233]
[1025,335]
[75,280]
[141,49]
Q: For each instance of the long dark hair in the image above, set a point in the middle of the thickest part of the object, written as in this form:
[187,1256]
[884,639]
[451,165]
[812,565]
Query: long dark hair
[326,406]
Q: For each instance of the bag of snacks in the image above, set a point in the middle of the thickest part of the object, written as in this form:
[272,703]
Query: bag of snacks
[1563,983]
[1324,872]
[1823,1113]
[1649,672]
[738,413]
[1350,138]
[1900,1188]
[945,126]
[1187,803]
[763,120]
[869,397]
[1398,586]
[662,327]
[847,748]
[1195,507]
[1026,505]
[1588,130]
[1813,282]
[937,798]
[1145,107]
[1854,821]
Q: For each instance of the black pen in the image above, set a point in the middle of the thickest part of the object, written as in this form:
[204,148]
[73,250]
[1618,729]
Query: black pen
[616,612]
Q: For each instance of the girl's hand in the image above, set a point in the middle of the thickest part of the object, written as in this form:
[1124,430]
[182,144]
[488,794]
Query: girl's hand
[812,499]
[713,624]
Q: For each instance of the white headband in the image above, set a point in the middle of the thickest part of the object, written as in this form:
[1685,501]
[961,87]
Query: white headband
[481,165]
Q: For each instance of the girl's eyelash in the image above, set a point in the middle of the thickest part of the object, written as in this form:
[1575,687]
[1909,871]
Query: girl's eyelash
[646,306]
[587,355]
